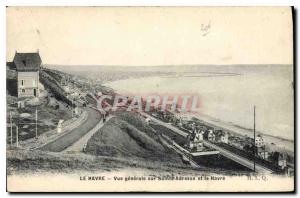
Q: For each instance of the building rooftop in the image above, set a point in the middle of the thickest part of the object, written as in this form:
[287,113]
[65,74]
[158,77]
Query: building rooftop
[27,61]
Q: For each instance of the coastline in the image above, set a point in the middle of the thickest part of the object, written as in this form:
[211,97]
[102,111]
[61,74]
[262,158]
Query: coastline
[274,142]
[279,142]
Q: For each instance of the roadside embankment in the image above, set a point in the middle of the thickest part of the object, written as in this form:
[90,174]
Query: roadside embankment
[52,135]
[128,135]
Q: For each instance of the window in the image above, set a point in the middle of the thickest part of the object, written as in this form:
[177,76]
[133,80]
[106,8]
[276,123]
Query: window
[23,90]
[22,82]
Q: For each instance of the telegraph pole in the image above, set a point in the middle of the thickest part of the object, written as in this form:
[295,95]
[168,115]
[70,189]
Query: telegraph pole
[17,136]
[11,131]
[72,107]
[254,148]
[36,134]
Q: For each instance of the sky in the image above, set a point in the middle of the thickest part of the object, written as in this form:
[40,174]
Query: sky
[152,36]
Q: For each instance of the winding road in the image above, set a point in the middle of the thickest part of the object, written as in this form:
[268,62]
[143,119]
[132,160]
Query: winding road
[79,145]
[63,142]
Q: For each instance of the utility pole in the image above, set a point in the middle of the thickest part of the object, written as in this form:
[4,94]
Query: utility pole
[17,136]
[254,148]
[36,134]
[11,131]
[72,107]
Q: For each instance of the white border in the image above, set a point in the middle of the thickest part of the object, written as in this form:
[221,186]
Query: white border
[110,3]
[150,3]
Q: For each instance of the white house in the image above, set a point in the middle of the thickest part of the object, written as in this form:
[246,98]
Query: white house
[211,136]
[259,141]
[282,160]
[182,116]
[196,141]
[224,138]
[262,152]
[27,66]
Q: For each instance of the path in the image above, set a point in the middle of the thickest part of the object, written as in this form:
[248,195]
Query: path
[69,138]
[80,144]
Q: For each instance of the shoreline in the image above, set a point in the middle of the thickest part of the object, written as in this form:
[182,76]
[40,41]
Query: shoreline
[249,130]
[277,142]
[285,144]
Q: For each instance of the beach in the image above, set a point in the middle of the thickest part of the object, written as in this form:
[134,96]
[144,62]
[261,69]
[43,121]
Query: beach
[228,98]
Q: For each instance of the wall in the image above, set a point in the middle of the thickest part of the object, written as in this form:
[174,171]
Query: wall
[30,82]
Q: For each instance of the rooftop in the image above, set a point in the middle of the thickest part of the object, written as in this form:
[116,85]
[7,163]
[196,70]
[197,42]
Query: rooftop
[27,61]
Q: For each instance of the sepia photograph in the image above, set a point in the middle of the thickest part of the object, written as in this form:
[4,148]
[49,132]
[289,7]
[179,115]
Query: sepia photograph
[150,99]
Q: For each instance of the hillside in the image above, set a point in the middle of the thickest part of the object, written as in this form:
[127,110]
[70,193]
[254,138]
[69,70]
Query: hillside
[39,162]
[50,111]
[128,135]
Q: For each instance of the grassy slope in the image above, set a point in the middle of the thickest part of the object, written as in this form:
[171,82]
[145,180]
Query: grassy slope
[28,162]
[128,135]
[48,118]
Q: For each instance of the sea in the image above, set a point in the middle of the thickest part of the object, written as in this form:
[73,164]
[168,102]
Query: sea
[228,96]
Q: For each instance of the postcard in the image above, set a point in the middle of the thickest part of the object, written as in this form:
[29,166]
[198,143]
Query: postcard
[150,99]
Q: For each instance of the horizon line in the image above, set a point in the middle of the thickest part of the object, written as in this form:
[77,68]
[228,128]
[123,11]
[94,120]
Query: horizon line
[250,64]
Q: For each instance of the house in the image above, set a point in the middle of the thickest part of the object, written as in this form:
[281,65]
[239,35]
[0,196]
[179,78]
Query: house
[221,136]
[248,140]
[224,138]
[211,136]
[282,160]
[279,159]
[27,66]
[195,141]
[237,142]
[259,141]
[182,116]
[262,153]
